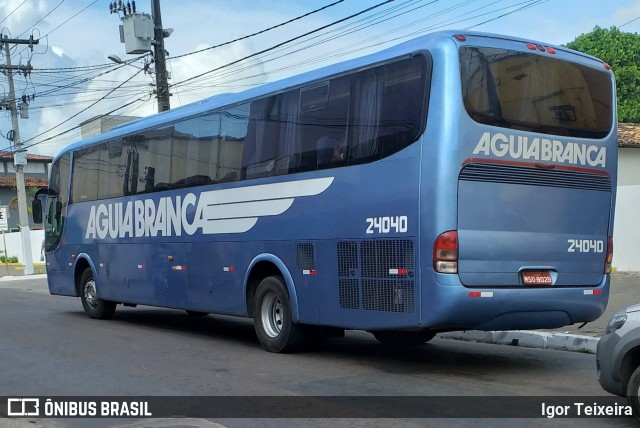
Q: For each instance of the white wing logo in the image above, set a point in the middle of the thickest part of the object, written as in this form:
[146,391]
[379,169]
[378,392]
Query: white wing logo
[217,211]
[238,210]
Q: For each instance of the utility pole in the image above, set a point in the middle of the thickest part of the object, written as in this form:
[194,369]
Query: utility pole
[19,155]
[162,84]
[139,32]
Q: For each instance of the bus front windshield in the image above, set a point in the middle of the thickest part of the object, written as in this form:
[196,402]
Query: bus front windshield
[57,200]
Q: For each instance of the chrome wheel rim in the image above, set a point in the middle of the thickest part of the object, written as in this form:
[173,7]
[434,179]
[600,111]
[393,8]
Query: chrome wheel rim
[271,314]
[90,294]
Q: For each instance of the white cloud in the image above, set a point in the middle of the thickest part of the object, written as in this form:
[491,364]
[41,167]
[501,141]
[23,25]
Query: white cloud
[58,51]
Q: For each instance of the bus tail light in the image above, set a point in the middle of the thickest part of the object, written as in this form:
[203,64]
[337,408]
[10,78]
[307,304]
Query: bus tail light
[445,252]
[609,258]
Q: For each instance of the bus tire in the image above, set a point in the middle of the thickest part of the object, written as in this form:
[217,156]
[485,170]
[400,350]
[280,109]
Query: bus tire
[403,338]
[272,317]
[94,306]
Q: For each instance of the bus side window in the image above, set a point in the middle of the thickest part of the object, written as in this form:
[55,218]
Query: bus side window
[325,122]
[388,109]
[261,145]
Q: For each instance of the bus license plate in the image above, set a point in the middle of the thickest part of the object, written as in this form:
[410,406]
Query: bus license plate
[539,278]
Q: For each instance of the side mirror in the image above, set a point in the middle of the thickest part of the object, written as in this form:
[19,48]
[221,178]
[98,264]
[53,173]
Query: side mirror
[36,208]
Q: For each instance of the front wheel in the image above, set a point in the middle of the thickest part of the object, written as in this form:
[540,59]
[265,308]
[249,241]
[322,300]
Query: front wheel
[633,392]
[272,317]
[403,338]
[94,306]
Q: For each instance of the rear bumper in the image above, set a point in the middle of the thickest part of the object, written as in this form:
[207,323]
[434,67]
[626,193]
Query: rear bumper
[452,306]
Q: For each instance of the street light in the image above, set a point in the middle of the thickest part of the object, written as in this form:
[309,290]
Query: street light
[115,58]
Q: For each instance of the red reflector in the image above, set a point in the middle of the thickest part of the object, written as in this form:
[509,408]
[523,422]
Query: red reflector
[475,294]
[460,37]
[597,291]
[551,50]
[531,46]
[607,66]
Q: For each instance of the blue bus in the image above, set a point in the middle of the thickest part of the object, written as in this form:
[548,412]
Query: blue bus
[452,182]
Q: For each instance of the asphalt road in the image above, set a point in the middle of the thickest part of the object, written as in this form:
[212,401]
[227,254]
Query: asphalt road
[48,347]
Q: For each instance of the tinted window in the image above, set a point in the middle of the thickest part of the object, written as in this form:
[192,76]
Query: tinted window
[388,109]
[86,167]
[343,121]
[347,120]
[535,93]
[113,159]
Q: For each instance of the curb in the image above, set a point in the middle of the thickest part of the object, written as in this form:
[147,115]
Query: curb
[529,339]
[21,277]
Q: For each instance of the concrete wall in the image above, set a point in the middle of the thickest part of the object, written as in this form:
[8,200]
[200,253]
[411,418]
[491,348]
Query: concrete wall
[626,232]
[13,243]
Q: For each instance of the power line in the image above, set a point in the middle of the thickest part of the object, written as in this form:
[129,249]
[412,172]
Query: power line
[526,6]
[13,11]
[42,19]
[73,16]
[285,42]
[629,22]
[343,50]
[78,126]
[83,110]
[261,31]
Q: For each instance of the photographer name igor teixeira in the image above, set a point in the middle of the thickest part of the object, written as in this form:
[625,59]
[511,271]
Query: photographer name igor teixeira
[579,409]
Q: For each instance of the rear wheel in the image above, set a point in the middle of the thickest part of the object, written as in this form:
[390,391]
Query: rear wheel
[94,306]
[272,317]
[633,392]
[403,338]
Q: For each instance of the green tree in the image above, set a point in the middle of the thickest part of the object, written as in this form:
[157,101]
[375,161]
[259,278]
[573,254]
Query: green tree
[621,51]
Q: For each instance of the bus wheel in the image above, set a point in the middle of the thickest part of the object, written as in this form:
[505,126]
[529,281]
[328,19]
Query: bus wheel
[403,338]
[94,306]
[272,317]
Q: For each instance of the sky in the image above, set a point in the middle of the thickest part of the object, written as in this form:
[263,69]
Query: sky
[72,80]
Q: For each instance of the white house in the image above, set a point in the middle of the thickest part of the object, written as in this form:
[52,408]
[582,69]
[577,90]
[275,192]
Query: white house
[626,232]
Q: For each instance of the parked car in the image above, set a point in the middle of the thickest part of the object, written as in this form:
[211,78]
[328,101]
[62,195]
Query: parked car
[618,357]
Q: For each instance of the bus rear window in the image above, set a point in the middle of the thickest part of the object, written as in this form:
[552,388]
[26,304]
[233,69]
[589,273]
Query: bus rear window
[535,93]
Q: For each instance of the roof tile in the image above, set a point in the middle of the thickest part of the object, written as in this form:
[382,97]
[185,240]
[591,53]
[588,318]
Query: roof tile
[629,135]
